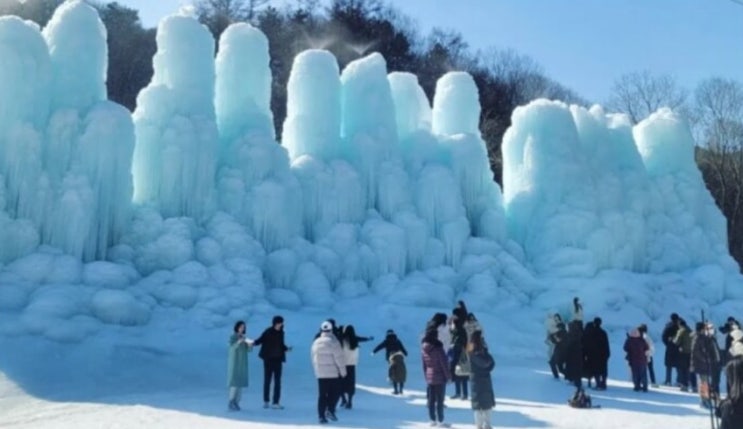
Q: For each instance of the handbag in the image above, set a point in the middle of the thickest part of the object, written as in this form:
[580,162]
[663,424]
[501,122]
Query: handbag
[463,367]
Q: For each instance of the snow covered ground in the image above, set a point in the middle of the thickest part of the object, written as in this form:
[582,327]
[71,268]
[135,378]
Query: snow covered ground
[173,376]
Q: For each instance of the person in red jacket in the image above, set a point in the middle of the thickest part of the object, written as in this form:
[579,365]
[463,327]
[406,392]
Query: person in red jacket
[636,349]
[437,374]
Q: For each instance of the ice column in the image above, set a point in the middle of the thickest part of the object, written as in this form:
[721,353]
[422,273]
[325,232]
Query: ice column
[175,155]
[255,183]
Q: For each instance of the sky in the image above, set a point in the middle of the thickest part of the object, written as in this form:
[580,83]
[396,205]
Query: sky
[583,44]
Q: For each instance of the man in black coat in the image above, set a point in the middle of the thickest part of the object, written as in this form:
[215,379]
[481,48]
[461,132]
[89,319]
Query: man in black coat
[672,351]
[600,353]
[574,362]
[273,353]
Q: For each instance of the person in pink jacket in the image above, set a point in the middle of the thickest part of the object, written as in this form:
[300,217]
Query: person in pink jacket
[437,374]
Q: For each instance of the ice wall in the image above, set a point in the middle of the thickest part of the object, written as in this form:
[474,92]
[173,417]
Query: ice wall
[175,158]
[374,190]
[586,192]
[67,151]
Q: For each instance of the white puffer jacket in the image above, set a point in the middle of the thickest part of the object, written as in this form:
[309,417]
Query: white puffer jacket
[327,357]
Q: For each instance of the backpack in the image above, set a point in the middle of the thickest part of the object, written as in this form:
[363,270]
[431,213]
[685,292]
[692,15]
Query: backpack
[580,400]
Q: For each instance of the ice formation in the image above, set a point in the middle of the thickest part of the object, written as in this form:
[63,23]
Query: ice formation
[191,204]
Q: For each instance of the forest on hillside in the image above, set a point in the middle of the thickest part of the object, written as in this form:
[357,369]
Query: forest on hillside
[351,29]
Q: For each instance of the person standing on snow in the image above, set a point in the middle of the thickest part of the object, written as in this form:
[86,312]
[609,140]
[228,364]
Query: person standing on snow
[603,353]
[329,366]
[683,342]
[351,356]
[577,310]
[651,351]
[273,353]
[636,349]
[730,410]
[730,325]
[559,352]
[705,361]
[671,359]
[590,353]
[237,364]
[437,374]
[459,358]
[574,355]
[481,364]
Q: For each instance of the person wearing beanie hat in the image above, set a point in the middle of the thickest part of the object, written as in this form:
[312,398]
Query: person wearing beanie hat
[636,349]
[329,367]
[273,353]
[671,358]
[643,328]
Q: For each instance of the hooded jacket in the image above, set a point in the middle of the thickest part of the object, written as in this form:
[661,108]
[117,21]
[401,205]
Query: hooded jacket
[636,349]
[327,357]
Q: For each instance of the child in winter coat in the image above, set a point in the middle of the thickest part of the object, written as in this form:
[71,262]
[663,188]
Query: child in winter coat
[398,373]
[437,374]
[636,349]
[481,365]
[237,364]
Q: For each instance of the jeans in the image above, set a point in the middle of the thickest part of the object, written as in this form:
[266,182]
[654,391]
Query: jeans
[435,394]
[272,370]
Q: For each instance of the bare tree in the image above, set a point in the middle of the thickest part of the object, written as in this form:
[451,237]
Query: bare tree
[718,113]
[219,14]
[639,94]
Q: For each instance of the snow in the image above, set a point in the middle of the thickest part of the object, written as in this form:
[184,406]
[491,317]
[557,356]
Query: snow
[173,376]
[132,242]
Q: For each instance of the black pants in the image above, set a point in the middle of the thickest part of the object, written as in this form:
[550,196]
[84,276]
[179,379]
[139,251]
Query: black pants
[460,386]
[327,388]
[398,387]
[683,369]
[601,373]
[349,385]
[435,393]
[272,369]
[335,393]
[651,371]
